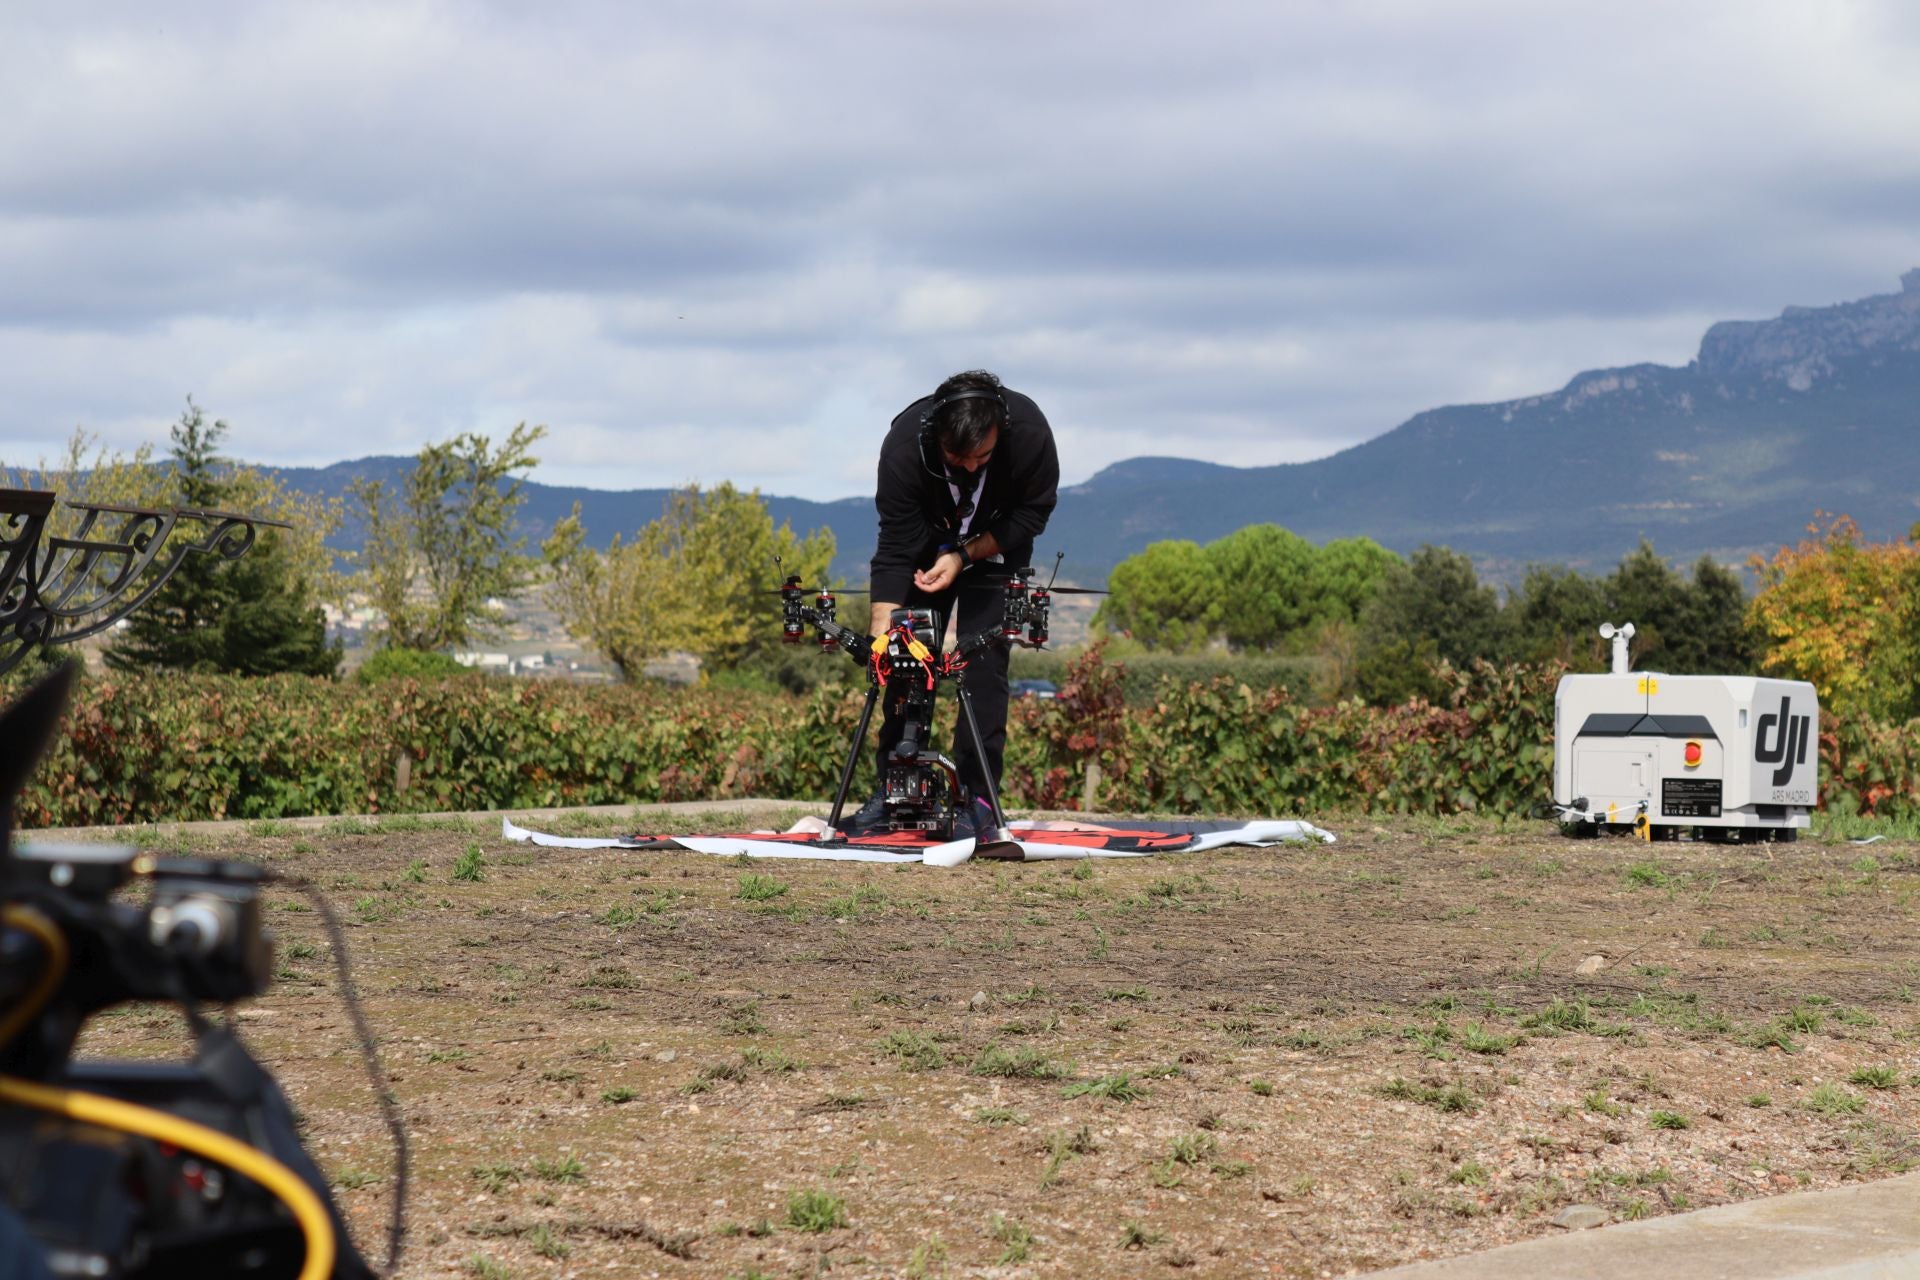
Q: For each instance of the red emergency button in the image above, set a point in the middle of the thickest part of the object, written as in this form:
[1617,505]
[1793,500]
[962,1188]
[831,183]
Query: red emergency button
[1693,754]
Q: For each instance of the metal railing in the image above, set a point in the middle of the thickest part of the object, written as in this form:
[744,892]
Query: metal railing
[58,589]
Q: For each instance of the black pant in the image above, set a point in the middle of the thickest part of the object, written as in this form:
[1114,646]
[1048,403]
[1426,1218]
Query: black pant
[985,681]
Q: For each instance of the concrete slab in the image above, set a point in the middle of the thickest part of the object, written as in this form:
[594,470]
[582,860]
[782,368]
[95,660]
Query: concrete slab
[1866,1232]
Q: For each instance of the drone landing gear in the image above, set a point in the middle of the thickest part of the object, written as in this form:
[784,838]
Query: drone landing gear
[921,787]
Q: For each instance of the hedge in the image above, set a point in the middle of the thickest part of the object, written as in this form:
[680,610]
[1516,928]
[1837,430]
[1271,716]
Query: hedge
[168,747]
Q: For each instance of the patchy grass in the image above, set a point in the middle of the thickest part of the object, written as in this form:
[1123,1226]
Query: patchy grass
[495,1177]
[913,1051]
[1833,1100]
[471,866]
[1018,1064]
[999,1116]
[815,1211]
[564,1169]
[1447,1098]
[1016,1241]
[1116,1088]
[758,888]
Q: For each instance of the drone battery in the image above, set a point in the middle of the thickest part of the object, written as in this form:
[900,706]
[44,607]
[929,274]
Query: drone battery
[919,621]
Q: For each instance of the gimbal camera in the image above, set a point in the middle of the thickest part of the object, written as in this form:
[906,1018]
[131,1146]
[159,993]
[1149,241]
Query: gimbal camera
[148,1169]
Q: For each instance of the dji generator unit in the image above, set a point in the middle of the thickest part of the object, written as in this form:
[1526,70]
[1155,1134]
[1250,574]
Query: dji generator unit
[1730,758]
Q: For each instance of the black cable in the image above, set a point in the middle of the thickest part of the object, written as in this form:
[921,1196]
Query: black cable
[370,1054]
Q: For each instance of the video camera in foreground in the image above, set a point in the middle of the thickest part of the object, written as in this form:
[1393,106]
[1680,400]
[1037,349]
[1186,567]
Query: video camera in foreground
[148,1169]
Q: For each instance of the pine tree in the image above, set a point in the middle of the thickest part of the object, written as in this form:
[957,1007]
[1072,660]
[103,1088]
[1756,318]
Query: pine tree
[251,616]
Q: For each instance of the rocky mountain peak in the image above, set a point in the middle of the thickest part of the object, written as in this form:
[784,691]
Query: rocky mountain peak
[1804,344]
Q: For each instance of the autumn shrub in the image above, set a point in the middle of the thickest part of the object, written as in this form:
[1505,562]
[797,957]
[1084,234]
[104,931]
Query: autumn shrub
[1843,613]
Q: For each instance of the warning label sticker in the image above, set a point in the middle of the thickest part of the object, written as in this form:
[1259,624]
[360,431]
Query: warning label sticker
[1689,797]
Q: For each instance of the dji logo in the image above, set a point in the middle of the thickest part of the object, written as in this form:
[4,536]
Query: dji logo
[1789,745]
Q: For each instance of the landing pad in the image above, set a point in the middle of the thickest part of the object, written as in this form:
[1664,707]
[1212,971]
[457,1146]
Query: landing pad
[1027,841]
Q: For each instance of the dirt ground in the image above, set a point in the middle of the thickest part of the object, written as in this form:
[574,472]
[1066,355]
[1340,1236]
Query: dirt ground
[1429,1038]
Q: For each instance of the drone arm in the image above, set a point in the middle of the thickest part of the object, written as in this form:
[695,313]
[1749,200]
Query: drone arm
[852,642]
[974,644]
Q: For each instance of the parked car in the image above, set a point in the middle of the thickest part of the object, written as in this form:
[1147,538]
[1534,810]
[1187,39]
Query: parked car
[1034,689]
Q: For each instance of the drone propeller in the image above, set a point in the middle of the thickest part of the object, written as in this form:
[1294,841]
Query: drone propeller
[838,591]
[984,583]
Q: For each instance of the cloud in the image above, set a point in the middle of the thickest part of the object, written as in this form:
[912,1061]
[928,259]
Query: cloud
[705,243]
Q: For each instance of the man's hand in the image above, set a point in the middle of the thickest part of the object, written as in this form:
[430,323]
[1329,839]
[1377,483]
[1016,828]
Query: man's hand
[941,575]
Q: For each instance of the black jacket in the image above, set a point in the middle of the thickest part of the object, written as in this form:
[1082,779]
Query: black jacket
[917,509]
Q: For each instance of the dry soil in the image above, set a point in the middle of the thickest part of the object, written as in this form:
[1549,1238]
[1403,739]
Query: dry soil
[1426,1039]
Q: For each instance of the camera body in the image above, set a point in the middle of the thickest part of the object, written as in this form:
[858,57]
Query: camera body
[921,786]
[199,938]
[132,1168]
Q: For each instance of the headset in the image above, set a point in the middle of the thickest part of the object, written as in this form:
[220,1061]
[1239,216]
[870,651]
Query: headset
[994,394]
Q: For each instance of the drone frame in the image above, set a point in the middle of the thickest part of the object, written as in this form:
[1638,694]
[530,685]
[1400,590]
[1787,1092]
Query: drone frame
[901,652]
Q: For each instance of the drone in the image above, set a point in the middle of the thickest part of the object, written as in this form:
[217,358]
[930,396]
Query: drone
[920,786]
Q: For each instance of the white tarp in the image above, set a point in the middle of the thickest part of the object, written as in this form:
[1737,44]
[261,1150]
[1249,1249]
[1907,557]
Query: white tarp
[1028,837]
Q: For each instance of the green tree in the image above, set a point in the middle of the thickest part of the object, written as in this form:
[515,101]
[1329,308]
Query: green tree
[440,551]
[1167,597]
[695,581]
[1708,635]
[1555,614]
[1266,577]
[88,472]
[1431,609]
[253,616]
[1645,591]
[1682,625]
[1346,574]
[1260,587]
[1687,626]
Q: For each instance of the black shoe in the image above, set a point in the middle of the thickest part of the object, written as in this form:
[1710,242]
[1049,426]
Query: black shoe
[870,817]
[974,821]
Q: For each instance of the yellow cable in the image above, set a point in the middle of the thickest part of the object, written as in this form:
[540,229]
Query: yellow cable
[27,920]
[111,1113]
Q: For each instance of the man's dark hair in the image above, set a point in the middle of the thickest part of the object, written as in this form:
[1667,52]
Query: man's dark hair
[961,427]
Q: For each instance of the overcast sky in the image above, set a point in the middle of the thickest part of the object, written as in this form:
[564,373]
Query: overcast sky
[707,241]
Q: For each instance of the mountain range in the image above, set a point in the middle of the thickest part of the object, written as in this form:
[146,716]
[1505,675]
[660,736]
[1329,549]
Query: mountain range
[1816,410]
